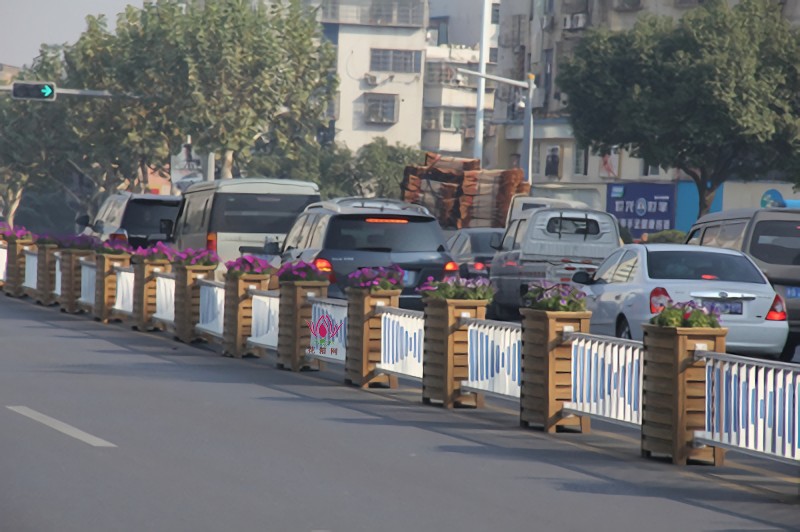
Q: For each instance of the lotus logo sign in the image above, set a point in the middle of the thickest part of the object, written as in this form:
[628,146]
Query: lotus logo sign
[324,331]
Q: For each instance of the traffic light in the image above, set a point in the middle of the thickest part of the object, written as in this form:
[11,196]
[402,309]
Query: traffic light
[34,90]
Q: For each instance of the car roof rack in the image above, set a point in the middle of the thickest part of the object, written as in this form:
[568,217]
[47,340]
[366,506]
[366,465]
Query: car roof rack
[354,203]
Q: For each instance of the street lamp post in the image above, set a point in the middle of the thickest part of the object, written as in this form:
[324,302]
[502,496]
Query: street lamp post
[527,141]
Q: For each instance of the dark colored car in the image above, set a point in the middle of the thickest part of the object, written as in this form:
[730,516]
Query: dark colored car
[341,236]
[135,218]
[772,239]
[472,250]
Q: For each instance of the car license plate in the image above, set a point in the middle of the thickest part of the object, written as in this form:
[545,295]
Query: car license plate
[725,307]
[792,292]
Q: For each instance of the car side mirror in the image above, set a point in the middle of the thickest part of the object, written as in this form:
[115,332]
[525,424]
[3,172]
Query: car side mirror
[166,226]
[495,242]
[582,277]
[83,221]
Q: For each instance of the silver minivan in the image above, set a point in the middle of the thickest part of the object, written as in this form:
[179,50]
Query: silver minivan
[772,238]
[228,214]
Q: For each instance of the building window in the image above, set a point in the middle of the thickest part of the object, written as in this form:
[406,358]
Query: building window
[395,61]
[495,13]
[581,162]
[649,169]
[537,155]
[493,55]
[381,108]
[430,119]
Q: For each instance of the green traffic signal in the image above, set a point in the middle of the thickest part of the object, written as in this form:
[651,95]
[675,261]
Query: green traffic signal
[34,90]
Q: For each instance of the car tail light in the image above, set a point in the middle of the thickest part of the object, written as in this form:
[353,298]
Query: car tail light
[451,267]
[387,221]
[211,242]
[511,264]
[659,298]
[479,266]
[323,265]
[777,312]
[117,237]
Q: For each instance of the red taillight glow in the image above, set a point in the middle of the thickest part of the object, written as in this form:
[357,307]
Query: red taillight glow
[117,237]
[709,277]
[451,267]
[479,266]
[211,242]
[387,221]
[659,298]
[777,312]
[323,265]
[510,263]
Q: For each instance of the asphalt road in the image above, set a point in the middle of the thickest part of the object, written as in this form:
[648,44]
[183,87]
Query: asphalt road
[106,429]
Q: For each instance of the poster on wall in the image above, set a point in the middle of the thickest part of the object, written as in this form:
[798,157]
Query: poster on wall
[609,164]
[642,208]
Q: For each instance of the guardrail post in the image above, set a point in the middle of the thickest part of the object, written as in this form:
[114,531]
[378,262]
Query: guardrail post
[547,368]
[15,267]
[144,290]
[71,279]
[106,283]
[294,336]
[673,392]
[364,336]
[446,363]
[238,320]
[187,299]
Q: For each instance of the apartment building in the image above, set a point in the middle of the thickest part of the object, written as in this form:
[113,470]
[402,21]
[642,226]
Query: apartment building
[380,59]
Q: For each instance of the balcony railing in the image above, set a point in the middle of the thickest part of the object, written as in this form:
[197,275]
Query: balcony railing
[410,13]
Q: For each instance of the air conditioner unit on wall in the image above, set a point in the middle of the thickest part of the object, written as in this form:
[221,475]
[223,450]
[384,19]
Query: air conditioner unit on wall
[371,80]
[566,22]
[579,20]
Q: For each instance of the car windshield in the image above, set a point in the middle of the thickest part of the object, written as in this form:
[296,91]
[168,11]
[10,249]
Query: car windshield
[776,242]
[257,213]
[702,266]
[481,242]
[384,233]
[143,217]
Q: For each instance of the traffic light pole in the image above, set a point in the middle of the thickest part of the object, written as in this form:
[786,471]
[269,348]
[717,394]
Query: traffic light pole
[78,92]
[527,141]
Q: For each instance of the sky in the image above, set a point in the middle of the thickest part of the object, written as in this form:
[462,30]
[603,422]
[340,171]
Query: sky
[26,24]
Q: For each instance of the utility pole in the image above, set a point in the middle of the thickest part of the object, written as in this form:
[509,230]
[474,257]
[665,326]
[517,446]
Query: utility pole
[477,152]
[530,85]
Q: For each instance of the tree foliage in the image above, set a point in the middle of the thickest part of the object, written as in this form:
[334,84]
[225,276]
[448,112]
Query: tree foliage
[714,94]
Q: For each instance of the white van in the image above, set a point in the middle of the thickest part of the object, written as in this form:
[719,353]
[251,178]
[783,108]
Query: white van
[227,214]
[522,205]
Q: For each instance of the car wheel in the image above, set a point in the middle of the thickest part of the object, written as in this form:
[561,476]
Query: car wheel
[788,351]
[623,329]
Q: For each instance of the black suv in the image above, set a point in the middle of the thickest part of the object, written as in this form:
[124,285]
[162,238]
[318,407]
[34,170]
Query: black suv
[139,219]
[343,235]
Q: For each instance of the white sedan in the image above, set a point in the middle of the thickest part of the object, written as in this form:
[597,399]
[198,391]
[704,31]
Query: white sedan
[634,283]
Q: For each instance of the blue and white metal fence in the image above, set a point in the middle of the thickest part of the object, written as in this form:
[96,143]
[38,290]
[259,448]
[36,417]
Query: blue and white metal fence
[402,340]
[752,406]
[165,298]
[266,310]
[606,378]
[328,329]
[494,350]
[123,300]
[3,259]
[88,279]
[57,284]
[31,268]
[212,307]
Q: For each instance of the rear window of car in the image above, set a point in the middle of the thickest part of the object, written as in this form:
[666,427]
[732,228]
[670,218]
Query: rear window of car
[702,266]
[776,242]
[481,242]
[572,226]
[143,217]
[257,213]
[384,233]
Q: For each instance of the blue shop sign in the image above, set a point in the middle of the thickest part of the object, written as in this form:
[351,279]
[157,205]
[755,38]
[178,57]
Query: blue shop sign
[642,207]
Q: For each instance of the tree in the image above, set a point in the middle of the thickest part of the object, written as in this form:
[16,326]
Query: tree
[713,94]
[379,166]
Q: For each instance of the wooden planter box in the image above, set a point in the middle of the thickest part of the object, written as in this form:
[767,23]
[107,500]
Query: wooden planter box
[144,290]
[187,298]
[3,261]
[106,283]
[238,321]
[445,363]
[364,336]
[673,391]
[15,267]
[46,274]
[294,336]
[547,369]
[71,279]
